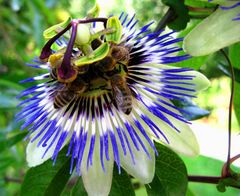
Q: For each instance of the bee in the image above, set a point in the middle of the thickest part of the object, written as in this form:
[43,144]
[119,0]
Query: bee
[69,92]
[122,95]
[117,55]
[83,69]
[120,53]
[63,97]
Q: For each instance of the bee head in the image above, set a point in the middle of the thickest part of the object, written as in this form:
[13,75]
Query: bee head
[120,53]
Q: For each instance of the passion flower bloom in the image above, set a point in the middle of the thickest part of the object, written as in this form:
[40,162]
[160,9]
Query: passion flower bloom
[96,131]
[217,31]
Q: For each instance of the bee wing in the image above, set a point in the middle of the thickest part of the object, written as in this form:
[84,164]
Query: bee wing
[118,96]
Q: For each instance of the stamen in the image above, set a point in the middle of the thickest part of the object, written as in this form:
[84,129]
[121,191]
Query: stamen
[46,51]
[91,20]
[66,73]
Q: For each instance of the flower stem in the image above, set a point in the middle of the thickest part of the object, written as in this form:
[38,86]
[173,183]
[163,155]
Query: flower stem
[229,112]
[11,179]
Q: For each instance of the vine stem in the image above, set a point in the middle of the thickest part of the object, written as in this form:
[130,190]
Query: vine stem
[209,180]
[169,15]
[205,179]
[15,180]
[227,171]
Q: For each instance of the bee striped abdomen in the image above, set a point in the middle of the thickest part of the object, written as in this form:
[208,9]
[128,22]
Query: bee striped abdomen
[63,98]
[126,107]
[122,95]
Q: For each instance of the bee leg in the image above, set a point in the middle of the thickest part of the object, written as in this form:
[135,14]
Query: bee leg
[128,111]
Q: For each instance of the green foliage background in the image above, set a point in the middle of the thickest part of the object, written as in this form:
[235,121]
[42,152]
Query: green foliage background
[21,25]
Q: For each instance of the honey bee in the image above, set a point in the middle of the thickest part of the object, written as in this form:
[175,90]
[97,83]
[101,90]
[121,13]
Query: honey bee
[69,92]
[122,95]
[117,54]
[63,97]
[120,53]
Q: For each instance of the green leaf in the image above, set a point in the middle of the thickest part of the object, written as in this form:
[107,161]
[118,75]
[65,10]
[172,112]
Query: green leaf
[224,67]
[181,12]
[121,184]
[199,9]
[95,56]
[170,175]
[234,53]
[10,84]
[79,189]
[189,110]
[114,23]
[190,193]
[53,30]
[197,12]
[47,179]
[155,188]
[5,162]
[6,143]
[236,102]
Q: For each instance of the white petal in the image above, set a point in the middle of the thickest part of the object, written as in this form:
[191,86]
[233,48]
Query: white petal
[184,142]
[143,168]
[34,154]
[95,180]
[200,81]
[213,33]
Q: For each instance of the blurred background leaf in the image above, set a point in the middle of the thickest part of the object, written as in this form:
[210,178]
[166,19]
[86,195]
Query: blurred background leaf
[190,110]
[234,54]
